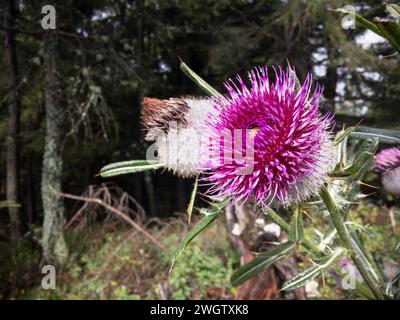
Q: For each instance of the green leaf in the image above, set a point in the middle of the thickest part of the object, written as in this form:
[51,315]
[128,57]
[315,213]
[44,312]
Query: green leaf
[341,135]
[192,198]
[387,29]
[199,81]
[393,288]
[360,166]
[390,30]
[309,274]
[296,233]
[394,10]
[396,249]
[366,23]
[211,215]
[262,262]
[381,137]
[125,167]
[363,162]
[294,75]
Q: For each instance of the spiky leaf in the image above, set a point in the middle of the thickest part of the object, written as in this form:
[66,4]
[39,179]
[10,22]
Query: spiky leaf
[210,216]
[309,274]
[387,29]
[262,262]
[192,198]
[124,167]
[199,81]
[296,233]
[394,10]
[383,135]
[341,135]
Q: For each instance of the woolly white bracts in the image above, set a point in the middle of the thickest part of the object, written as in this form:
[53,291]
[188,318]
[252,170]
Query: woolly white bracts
[311,184]
[178,127]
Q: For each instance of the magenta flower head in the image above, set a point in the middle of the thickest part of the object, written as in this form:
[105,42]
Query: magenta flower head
[388,162]
[281,145]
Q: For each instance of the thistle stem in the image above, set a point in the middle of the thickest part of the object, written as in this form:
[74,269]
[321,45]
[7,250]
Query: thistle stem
[314,249]
[285,226]
[350,245]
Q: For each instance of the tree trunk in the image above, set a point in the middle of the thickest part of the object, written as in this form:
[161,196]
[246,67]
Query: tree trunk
[10,68]
[55,250]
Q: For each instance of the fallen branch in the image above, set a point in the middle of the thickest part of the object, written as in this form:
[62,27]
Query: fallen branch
[117,212]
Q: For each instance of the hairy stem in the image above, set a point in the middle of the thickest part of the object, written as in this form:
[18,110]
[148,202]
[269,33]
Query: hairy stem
[315,250]
[350,245]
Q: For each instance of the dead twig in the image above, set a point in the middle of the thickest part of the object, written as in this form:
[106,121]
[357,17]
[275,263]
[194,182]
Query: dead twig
[117,212]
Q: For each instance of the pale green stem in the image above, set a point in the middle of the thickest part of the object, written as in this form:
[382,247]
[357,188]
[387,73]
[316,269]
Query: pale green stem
[350,245]
[285,226]
[314,249]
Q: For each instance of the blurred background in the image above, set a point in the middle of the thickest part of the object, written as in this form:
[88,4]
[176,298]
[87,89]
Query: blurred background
[70,104]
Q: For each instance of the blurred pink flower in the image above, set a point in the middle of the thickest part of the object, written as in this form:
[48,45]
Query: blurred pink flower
[388,162]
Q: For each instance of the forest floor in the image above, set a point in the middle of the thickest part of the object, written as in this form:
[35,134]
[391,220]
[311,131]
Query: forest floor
[110,261]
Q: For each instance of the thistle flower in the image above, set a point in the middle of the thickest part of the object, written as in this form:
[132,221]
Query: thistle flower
[388,162]
[177,126]
[291,148]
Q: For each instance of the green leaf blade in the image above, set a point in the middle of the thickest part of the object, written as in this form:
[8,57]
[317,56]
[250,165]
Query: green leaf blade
[204,223]
[201,83]
[394,10]
[296,233]
[192,198]
[125,167]
[343,134]
[262,262]
[311,273]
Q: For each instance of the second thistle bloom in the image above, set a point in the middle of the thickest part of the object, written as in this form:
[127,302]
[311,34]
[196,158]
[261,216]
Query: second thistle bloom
[283,139]
[388,162]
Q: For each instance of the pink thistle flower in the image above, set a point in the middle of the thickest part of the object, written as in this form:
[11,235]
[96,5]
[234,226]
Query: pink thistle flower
[388,162]
[387,159]
[290,142]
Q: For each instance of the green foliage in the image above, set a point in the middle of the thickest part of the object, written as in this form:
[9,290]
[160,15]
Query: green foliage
[210,216]
[118,264]
[19,267]
[198,270]
[118,58]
